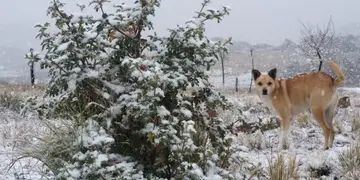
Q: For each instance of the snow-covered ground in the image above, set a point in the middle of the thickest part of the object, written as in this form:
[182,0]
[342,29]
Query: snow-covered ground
[18,132]
[306,138]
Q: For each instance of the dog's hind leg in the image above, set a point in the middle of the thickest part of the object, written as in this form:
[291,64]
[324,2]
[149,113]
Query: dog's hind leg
[329,116]
[319,115]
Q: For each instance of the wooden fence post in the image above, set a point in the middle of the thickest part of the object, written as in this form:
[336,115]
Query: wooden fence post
[252,68]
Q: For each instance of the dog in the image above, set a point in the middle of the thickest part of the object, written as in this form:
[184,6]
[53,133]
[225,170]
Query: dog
[288,97]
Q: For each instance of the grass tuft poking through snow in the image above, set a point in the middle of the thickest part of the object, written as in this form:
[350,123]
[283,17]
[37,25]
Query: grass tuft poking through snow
[18,137]
[350,162]
[304,120]
[280,169]
[356,122]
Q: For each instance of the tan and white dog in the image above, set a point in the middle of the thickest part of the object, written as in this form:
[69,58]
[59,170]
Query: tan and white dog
[289,97]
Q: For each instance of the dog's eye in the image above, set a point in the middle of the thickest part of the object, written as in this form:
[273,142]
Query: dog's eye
[260,84]
[269,83]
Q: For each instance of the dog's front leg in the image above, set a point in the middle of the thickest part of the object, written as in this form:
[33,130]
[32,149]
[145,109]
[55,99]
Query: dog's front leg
[284,131]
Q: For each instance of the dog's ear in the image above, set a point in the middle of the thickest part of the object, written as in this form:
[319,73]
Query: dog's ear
[272,73]
[256,73]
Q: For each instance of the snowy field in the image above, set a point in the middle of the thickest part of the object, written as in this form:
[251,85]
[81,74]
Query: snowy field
[230,79]
[256,150]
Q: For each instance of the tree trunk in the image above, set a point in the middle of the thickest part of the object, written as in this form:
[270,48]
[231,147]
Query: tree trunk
[32,75]
[222,68]
[321,62]
[320,58]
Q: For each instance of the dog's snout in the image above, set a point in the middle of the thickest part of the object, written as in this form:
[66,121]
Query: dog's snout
[265,91]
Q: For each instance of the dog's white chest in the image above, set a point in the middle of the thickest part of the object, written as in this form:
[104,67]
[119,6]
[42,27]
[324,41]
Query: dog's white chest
[268,102]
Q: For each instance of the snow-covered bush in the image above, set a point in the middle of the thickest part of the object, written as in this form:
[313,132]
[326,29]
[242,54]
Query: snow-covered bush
[142,106]
[319,165]
[255,141]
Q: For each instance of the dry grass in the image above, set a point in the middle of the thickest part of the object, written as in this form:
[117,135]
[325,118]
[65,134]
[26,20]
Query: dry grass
[279,169]
[339,126]
[355,126]
[350,162]
[52,146]
[21,90]
[304,120]
[10,101]
[12,95]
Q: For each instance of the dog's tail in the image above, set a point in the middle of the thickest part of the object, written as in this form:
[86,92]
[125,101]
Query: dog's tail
[339,79]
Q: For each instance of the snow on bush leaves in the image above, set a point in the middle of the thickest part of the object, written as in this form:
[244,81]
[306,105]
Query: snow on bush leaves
[143,105]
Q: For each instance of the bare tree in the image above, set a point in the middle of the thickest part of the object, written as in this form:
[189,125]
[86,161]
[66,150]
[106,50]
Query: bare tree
[32,57]
[222,55]
[318,43]
[252,68]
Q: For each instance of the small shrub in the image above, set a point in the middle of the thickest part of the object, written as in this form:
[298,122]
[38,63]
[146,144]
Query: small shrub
[255,141]
[125,95]
[282,170]
[319,165]
[319,171]
[350,162]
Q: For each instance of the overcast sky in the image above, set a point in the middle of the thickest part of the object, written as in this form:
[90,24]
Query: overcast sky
[254,21]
